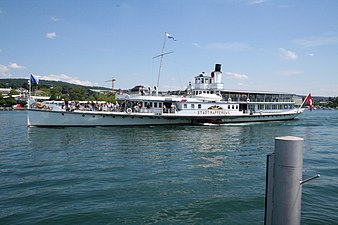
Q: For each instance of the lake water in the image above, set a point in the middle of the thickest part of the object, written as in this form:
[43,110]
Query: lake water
[160,174]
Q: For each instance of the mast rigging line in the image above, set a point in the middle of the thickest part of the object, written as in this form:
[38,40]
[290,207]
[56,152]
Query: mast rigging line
[167,53]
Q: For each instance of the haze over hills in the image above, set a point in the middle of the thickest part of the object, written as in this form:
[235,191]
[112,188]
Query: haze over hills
[20,82]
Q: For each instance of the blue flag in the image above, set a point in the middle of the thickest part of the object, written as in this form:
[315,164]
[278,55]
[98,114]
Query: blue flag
[34,79]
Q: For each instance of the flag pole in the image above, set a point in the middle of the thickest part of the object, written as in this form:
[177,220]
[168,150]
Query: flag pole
[29,91]
[161,61]
[303,101]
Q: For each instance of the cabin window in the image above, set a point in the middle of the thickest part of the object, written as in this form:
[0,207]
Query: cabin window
[155,104]
[236,106]
[199,106]
[192,106]
[233,107]
[185,106]
[160,105]
[228,106]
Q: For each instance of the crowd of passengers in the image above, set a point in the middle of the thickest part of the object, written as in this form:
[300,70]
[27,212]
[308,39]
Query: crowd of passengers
[108,106]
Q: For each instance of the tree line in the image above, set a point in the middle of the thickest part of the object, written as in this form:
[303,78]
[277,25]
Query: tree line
[333,102]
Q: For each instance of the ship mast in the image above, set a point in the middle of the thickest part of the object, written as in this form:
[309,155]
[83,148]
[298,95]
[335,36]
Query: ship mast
[166,35]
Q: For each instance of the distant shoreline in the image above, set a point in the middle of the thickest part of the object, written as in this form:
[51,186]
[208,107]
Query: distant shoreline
[11,109]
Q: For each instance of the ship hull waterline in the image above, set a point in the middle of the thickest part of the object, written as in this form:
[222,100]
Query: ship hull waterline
[42,118]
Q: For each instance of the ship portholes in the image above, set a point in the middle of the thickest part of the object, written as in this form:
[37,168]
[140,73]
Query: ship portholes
[62,114]
[83,115]
[93,115]
[113,116]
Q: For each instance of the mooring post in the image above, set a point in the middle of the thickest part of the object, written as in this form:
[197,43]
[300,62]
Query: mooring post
[285,188]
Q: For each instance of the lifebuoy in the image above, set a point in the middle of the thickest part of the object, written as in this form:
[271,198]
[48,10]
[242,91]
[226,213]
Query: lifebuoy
[129,110]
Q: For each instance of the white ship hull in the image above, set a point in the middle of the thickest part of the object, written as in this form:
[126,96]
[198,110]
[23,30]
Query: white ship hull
[43,118]
[250,118]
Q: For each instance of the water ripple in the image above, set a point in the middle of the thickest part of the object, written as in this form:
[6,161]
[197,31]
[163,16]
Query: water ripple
[158,175]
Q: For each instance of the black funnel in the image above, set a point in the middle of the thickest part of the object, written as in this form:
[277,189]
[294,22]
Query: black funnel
[218,67]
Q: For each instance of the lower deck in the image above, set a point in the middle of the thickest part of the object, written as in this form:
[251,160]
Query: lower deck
[44,118]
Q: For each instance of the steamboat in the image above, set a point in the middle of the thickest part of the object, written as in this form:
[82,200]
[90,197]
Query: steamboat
[205,101]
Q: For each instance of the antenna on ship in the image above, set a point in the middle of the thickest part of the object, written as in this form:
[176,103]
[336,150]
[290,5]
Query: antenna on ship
[166,35]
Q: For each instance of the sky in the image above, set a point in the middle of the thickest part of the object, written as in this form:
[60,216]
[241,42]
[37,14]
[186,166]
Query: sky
[263,45]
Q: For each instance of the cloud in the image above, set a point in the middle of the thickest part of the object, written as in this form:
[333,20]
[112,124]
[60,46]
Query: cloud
[54,18]
[15,66]
[256,2]
[66,78]
[290,72]
[229,46]
[197,45]
[287,54]
[4,70]
[51,35]
[310,42]
[311,54]
[238,76]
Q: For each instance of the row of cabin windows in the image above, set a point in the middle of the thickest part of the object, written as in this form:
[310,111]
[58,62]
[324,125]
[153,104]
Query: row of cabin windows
[203,80]
[199,106]
[152,104]
[262,107]
[192,106]
[204,92]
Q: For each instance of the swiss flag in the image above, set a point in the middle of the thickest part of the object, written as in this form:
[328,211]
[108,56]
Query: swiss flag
[309,101]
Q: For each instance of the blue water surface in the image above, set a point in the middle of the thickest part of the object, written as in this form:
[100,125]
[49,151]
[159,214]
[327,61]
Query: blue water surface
[158,174]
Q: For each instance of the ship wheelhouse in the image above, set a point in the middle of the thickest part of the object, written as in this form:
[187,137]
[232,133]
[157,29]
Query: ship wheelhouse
[207,86]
